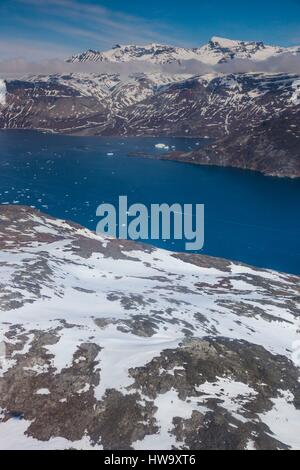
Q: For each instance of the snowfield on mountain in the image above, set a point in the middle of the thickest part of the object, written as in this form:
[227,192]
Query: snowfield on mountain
[2,92]
[111,344]
[218,50]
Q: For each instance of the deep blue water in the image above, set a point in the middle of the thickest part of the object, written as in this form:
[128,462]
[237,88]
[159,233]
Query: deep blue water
[248,217]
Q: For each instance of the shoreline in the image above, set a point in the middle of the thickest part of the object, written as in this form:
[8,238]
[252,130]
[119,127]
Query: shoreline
[175,156]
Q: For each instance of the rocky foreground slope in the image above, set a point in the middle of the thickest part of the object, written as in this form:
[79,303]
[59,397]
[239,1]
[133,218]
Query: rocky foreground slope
[115,345]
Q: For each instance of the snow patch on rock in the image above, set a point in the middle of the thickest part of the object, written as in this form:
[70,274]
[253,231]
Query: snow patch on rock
[43,391]
[296,94]
[3,92]
[284,420]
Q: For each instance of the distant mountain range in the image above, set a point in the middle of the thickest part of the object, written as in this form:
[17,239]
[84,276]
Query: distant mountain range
[216,51]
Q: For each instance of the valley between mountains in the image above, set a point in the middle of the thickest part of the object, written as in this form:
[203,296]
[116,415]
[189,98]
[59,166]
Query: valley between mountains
[251,118]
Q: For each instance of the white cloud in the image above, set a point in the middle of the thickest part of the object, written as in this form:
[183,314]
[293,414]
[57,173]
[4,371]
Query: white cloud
[286,63]
[283,63]
[19,67]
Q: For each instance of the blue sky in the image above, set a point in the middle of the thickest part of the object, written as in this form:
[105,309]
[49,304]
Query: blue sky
[36,29]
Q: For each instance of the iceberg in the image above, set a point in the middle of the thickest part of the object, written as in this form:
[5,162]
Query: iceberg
[162,146]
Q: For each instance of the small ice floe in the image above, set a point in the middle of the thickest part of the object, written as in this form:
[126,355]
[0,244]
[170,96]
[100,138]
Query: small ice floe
[110,154]
[162,146]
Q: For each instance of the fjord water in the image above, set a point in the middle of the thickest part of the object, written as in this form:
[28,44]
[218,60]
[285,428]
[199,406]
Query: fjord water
[248,217]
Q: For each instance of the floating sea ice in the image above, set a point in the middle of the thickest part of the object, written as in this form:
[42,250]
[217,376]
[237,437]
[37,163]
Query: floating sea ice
[110,154]
[162,146]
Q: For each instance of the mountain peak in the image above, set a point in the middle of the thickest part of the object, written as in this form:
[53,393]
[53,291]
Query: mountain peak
[225,42]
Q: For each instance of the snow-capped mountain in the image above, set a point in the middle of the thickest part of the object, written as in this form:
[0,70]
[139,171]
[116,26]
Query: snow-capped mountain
[115,345]
[217,51]
[220,50]
[154,53]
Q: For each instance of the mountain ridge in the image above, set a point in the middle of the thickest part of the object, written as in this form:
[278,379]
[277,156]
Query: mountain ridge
[218,50]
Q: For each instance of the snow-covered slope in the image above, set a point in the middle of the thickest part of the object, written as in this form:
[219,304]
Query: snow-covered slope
[296,95]
[2,92]
[150,103]
[153,53]
[115,345]
[218,50]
